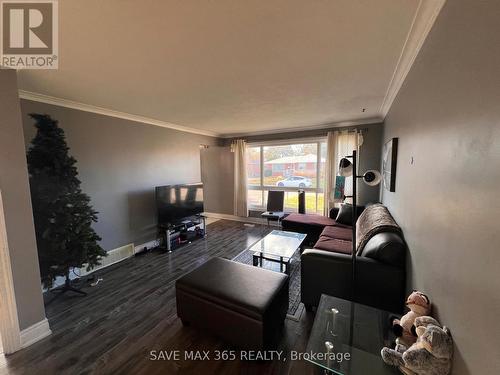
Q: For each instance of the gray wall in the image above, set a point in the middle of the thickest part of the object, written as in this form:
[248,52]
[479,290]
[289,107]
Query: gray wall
[369,158]
[447,118]
[119,163]
[14,186]
[217,169]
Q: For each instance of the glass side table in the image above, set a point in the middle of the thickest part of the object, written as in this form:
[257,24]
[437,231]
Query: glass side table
[347,337]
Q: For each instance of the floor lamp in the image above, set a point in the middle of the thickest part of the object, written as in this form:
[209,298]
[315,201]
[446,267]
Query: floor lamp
[371,177]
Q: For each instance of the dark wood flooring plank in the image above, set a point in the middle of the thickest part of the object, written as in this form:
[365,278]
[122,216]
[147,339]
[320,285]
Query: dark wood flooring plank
[132,311]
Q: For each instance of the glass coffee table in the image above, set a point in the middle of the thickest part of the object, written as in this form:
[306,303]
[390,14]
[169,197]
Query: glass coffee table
[344,329]
[278,246]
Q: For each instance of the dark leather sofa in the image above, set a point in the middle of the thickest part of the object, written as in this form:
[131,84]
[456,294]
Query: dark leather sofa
[327,267]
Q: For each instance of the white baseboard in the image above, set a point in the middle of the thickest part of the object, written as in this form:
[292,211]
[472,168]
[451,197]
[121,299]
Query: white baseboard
[148,245]
[253,220]
[35,333]
[114,256]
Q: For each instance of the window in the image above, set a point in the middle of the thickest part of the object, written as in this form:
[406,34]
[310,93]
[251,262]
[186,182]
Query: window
[254,176]
[287,167]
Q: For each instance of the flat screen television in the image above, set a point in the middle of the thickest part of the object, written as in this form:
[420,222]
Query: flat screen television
[177,202]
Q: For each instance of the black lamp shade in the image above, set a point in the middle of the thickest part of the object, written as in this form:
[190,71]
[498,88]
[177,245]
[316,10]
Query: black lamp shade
[345,167]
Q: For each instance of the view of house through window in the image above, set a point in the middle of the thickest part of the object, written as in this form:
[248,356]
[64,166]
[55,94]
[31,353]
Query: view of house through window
[290,167]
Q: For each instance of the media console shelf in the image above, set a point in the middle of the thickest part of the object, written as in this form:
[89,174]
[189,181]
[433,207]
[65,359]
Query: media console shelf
[175,236]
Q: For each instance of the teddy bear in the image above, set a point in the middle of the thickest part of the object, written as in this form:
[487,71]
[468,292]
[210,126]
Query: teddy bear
[431,354]
[419,305]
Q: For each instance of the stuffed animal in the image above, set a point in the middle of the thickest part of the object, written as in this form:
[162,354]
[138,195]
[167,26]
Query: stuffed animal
[419,305]
[430,355]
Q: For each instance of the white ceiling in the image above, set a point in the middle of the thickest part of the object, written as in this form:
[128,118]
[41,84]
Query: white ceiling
[228,67]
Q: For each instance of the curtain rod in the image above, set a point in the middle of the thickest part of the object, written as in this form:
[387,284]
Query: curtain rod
[283,136]
[354,130]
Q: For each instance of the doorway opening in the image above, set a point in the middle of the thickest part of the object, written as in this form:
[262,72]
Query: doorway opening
[10,337]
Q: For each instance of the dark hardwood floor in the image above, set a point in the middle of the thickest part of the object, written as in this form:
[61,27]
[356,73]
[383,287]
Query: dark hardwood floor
[132,312]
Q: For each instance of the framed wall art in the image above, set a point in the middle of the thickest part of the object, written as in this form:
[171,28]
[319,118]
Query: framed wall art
[389,163]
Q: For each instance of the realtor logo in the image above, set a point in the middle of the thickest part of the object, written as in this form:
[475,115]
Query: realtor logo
[29,37]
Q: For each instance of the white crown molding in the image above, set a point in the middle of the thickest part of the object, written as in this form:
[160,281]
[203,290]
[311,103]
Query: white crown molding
[425,16]
[35,333]
[41,98]
[28,95]
[340,124]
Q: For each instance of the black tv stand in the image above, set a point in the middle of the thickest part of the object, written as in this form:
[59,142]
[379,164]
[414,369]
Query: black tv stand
[176,235]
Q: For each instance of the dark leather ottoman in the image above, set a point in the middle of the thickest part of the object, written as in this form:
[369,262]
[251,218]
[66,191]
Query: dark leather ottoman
[242,304]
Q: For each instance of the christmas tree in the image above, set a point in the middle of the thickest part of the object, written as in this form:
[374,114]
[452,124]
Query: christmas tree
[62,213]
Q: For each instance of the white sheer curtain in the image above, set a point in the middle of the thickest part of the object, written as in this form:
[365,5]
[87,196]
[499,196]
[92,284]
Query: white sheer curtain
[347,142]
[239,147]
[339,144]
[330,169]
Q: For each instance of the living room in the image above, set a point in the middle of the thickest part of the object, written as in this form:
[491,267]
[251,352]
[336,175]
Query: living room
[249,187]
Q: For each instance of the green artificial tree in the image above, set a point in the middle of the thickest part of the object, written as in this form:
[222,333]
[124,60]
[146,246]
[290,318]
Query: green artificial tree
[62,213]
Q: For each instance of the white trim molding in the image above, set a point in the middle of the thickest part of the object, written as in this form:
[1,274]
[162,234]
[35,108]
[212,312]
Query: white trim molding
[340,124]
[425,16]
[41,98]
[34,333]
[251,220]
[9,321]
[113,256]
[147,245]
[47,99]
[13,338]
[423,20]
[288,141]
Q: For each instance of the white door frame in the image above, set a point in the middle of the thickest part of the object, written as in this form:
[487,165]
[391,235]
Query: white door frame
[9,323]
